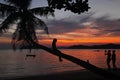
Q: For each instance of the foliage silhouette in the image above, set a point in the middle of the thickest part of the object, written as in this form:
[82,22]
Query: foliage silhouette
[18,12]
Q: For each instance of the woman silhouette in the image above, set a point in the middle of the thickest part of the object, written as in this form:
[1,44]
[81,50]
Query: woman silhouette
[55,48]
[108,58]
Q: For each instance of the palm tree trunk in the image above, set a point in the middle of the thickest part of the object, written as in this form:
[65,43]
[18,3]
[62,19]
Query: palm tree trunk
[104,73]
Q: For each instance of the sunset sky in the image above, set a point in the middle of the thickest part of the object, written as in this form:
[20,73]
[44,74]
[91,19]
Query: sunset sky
[100,25]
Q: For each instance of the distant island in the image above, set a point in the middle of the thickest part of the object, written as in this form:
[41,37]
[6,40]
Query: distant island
[103,46]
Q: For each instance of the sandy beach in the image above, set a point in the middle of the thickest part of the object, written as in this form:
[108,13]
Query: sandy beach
[68,75]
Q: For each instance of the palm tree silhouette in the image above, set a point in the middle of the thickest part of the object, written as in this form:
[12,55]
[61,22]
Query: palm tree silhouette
[18,12]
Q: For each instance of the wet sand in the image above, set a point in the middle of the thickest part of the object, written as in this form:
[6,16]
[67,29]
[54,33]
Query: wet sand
[69,75]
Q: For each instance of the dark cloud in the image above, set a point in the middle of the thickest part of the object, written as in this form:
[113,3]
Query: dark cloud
[59,26]
[103,24]
[108,26]
[67,24]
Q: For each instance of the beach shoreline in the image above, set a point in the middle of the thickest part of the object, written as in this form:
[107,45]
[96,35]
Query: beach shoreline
[67,75]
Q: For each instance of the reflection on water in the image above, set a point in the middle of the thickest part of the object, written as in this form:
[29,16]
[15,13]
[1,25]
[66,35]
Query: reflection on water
[13,64]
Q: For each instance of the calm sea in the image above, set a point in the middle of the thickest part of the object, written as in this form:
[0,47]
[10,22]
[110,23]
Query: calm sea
[16,64]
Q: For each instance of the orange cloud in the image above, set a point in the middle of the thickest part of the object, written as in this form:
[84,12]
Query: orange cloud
[5,40]
[64,40]
[84,40]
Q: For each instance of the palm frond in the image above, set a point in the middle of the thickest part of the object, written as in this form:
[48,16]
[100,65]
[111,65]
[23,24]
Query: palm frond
[25,33]
[23,4]
[6,9]
[41,24]
[9,20]
[42,11]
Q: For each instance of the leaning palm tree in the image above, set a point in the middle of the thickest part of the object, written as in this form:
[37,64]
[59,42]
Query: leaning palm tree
[19,12]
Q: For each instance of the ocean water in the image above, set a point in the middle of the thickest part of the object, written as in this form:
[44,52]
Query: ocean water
[16,64]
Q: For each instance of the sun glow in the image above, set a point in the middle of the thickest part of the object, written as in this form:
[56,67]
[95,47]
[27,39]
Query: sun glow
[5,40]
[83,40]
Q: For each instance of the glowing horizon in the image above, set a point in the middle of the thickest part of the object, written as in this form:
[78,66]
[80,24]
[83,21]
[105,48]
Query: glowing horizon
[68,42]
[82,41]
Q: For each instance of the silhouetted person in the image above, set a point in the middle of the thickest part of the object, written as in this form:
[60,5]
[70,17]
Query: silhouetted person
[55,48]
[108,58]
[114,59]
